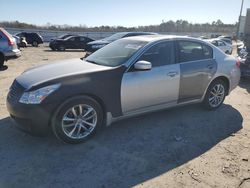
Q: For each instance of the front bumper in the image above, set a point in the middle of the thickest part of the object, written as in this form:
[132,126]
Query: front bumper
[52,45]
[34,119]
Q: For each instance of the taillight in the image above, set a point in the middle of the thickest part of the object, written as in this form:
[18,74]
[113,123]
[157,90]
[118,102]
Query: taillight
[10,42]
[238,63]
[9,38]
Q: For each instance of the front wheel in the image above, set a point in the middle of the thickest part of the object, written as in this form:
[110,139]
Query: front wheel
[61,48]
[77,120]
[215,95]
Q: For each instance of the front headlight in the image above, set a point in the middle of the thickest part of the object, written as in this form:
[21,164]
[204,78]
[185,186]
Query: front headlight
[37,96]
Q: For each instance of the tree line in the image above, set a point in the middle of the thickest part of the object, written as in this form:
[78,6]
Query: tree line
[166,26]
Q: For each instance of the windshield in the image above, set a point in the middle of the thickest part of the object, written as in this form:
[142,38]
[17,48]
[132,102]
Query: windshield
[69,37]
[115,37]
[116,53]
[64,36]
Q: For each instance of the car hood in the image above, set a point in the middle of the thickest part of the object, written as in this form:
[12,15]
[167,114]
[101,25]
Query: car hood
[99,42]
[56,70]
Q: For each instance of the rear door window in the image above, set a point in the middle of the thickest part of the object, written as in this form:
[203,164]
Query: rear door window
[193,51]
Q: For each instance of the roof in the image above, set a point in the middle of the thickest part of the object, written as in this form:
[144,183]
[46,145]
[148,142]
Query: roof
[215,39]
[152,38]
[138,32]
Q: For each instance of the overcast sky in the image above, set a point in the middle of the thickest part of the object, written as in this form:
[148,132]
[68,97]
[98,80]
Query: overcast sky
[123,13]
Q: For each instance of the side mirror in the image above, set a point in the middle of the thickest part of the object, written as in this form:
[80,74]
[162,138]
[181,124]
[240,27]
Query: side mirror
[143,65]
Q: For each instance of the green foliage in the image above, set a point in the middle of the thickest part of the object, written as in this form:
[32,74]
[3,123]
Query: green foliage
[169,26]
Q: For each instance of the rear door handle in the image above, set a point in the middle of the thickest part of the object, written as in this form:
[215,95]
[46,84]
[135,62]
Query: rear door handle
[172,74]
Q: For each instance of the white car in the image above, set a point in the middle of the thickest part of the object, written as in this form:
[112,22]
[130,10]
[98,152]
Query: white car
[224,46]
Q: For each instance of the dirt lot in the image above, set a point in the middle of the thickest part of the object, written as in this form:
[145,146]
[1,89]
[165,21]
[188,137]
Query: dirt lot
[180,147]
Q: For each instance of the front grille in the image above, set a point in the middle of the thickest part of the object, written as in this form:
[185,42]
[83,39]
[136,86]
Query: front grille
[15,92]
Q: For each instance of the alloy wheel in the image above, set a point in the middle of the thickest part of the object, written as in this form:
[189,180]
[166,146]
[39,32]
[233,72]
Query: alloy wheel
[216,95]
[79,121]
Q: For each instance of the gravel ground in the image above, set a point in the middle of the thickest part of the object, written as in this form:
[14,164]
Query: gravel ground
[179,147]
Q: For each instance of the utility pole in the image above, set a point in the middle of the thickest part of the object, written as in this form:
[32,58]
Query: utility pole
[238,27]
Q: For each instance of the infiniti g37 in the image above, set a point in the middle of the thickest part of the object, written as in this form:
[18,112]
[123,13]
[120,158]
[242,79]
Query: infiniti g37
[128,77]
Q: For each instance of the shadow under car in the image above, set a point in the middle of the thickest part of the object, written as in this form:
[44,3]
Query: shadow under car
[123,155]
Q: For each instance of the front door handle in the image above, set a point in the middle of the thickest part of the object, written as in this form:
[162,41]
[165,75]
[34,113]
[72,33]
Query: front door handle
[172,74]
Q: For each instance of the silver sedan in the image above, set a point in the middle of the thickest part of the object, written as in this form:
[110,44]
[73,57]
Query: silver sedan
[128,77]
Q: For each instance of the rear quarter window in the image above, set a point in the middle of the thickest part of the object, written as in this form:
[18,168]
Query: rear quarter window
[193,51]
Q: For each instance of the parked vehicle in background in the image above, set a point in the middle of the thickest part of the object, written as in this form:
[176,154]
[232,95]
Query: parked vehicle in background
[225,47]
[21,42]
[128,77]
[242,52]
[31,38]
[63,36]
[203,37]
[240,47]
[17,39]
[8,47]
[215,36]
[245,66]
[96,45]
[226,39]
[71,42]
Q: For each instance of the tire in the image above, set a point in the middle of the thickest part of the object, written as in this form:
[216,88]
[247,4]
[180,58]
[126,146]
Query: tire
[215,95]
[35,43]
[70,126]
[1,60]
[61,48]
[23,44]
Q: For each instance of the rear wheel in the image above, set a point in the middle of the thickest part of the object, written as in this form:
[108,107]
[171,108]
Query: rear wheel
[215,95]
[1,60]
[77,120]
[35,43]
